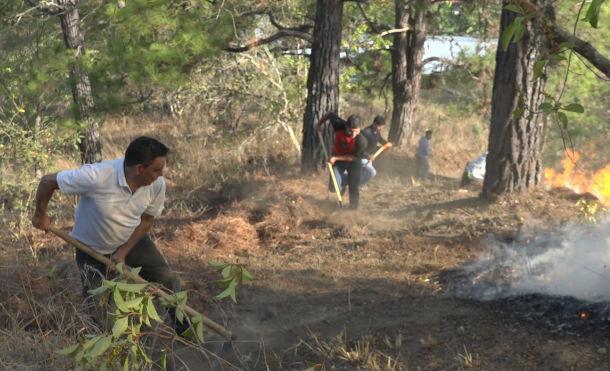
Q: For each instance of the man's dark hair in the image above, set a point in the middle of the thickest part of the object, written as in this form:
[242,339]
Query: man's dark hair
[429,132]
[143,151]
[379,120]
[353,121]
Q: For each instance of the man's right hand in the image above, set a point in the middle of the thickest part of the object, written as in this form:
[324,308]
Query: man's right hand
[41,221]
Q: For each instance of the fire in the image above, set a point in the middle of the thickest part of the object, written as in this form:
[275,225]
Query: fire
[577,180]
[584,315]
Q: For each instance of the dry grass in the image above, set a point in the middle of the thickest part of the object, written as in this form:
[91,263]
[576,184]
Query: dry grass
[362,354]
[39,313]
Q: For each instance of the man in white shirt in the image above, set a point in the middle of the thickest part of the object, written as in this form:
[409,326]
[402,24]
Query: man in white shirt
[118,201]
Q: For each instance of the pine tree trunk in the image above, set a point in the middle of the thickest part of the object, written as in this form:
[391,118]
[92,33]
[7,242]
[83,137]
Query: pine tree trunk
[322,80]
[407,54]
[90,141]
[515,140]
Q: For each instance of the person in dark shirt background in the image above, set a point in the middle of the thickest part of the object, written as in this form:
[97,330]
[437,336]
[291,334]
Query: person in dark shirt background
[349,149]
[373,137]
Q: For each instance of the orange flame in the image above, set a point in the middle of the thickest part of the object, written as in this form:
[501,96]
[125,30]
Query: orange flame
[572,177]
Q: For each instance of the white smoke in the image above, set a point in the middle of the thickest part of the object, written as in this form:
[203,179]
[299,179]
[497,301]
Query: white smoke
[572,260]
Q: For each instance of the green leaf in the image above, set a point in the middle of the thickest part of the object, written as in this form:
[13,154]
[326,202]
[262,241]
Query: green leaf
[574,107]
[224,282]
[593,11]
[226,271]
[519,30]
[179,314]
[199,331]
[143,354]
[119,302]
[98,291]
[131,287]
[181,297]
[514,8]
[101,346]
[508,35]
[169,301]
[229,292]
[556,58]
[120,325]
[246,276]
[151,311]
[546,107]
[109,284]
[126,364]
[539,68]
[91,342]
[164,360]
[134,303]
[68,350]
[217,265]
[563,119]
[518,113]
[136,271]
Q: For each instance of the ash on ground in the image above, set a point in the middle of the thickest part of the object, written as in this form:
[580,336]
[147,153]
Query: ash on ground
[553,275]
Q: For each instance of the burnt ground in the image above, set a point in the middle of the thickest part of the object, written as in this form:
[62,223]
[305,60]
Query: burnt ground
[372,289]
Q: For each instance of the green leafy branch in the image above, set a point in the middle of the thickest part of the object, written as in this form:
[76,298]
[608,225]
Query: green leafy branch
[232,276]
[135,311]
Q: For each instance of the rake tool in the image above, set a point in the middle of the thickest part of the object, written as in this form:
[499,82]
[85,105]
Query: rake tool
[381,149]
[332,172]
[217,328]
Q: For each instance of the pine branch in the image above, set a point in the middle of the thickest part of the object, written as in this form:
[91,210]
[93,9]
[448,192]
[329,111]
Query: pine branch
[268,40]
[581,47]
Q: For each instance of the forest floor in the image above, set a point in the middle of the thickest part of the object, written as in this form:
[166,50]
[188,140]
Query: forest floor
[364,289]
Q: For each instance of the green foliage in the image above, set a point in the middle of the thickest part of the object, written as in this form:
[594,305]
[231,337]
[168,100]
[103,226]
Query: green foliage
[135,317]
[577,107]
[123,347]
[514,31]
[232,276]
[592,15]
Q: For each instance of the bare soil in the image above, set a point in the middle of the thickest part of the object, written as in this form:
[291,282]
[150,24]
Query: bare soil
[360,289]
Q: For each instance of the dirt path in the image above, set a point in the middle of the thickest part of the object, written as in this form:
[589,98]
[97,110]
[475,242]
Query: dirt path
[350,290]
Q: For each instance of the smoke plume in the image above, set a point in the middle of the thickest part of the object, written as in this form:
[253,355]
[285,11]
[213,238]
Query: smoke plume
[569,260]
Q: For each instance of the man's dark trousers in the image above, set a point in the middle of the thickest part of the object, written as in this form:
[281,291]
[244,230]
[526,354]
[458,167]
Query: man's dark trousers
[144,254]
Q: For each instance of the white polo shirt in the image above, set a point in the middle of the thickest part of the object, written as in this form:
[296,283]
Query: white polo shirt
[108,212]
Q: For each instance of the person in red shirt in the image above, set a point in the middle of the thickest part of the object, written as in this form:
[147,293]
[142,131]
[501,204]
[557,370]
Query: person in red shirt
[349,148]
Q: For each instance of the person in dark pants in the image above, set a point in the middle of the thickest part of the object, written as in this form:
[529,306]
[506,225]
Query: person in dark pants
[118,202]
[373,137]
[349,149]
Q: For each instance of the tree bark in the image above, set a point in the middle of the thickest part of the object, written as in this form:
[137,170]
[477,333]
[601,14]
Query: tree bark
[515,140]
[322,80]
[407,57]
[74,39]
